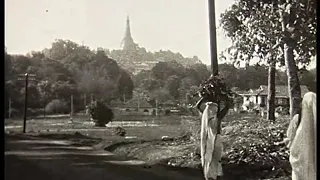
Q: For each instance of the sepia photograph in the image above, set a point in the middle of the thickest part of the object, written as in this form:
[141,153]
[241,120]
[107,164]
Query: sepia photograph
[160,89]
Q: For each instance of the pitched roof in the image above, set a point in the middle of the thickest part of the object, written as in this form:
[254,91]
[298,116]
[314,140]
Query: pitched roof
[281,90]
[135,103]
[251,92]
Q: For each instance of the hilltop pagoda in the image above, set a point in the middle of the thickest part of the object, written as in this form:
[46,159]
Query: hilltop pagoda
[127,43]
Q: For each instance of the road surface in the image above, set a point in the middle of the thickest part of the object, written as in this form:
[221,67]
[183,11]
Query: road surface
[32,158]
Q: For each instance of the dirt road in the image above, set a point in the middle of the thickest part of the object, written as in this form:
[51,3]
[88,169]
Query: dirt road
[43,158]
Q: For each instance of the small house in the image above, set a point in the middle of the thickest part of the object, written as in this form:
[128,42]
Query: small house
[249,98]
[260,96]
[281,95]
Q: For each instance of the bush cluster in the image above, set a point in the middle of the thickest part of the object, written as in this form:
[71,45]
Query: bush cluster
[119,131]
[100,113]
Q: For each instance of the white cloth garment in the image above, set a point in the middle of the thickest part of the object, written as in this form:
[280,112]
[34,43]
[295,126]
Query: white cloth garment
[303,146]
[211,143]
[292,129]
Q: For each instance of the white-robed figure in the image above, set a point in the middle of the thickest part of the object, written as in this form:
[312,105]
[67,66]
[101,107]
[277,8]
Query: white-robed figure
[211,142]
[301,140]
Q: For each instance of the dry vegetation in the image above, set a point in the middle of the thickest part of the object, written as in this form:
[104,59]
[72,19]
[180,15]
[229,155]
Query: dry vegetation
[250,152]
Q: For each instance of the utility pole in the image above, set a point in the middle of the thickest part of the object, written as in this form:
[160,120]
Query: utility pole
[213,37]
[213,45]
[25,104]
[26,75]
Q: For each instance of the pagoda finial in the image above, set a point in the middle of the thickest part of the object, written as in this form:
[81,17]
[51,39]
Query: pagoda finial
[127,42]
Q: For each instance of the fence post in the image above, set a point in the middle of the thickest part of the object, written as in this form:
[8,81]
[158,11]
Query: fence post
[71,108]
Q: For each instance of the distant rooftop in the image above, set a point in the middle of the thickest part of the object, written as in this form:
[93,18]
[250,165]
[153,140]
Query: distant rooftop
[282,90]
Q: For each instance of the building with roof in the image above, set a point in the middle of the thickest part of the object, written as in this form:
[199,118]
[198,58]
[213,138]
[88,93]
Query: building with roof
[281,95]
[134,59]
[259,96]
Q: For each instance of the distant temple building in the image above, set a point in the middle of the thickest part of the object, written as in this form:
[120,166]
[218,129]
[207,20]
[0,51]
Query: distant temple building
[127,43]
[134,59]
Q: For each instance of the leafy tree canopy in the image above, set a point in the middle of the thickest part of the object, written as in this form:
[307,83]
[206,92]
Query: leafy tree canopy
[256,30]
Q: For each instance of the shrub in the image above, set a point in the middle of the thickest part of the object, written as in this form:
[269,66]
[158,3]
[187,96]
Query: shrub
[100,113]
[57,106]
[120,131]
[167,112]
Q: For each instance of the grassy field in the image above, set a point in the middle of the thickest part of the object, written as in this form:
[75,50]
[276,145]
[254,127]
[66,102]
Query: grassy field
[250,152]
[142,127]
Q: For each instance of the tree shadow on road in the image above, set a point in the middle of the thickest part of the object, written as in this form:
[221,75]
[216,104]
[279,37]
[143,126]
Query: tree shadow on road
[65,158]
[54,159]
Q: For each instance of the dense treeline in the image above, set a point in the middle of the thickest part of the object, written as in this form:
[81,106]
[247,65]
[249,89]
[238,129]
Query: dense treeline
[170,81]
[63,70]
[67,68]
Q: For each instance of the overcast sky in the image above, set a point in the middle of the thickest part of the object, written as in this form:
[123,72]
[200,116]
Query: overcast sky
[176,25]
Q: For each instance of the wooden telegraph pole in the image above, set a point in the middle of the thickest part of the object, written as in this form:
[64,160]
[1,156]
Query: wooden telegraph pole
[213,45]
[26,97]
[213,37]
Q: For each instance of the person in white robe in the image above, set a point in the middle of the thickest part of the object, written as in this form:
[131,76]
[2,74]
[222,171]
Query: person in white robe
[301,140]
[211,141]
[303,144]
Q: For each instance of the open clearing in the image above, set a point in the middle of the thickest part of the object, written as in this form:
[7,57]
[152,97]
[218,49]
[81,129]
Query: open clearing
[249,149]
